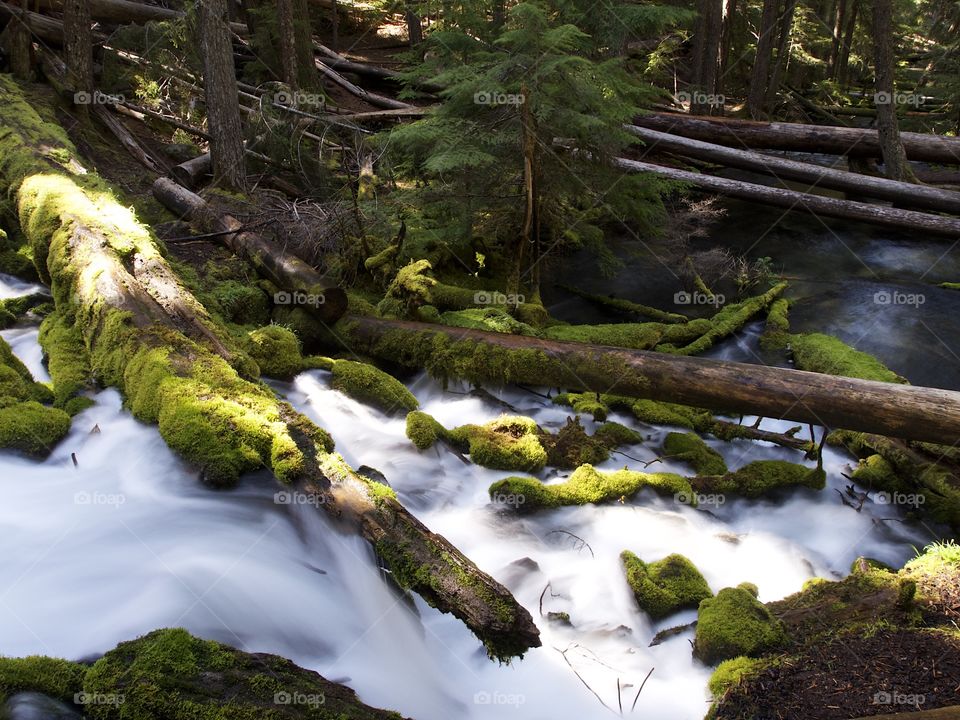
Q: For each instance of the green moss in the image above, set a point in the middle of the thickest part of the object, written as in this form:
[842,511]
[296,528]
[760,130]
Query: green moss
[776,334]
[691,449]
[507,443]
[32,427]
[876,472]
[732,672]
[584,404]
[318,362]
[826,354]
[614,435]
[665,587]
[761,477]
[57,678]
[67,359]
[587,485]
[950,285]
[239,302]
[638,336]
[571,447]
[173,675]
[735,623]
[661,413]
[750,588]
[276,351]
[369,384]
[489,319]
[423,430]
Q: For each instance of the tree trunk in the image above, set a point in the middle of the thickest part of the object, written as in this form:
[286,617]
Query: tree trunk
[287,41]
[761,65]
[17,43]
[890,409]
[303,36]
[783,51]
[839,22]
[707,61]
[726,40]
[78,44]
[818,176]
[222,100]
[126,303]
[894,157]
[908,220]
[414,25]
[827,139]
[365,95]
[843,70]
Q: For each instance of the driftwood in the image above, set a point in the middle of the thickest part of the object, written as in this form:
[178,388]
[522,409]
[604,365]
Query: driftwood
[899,192]
[889,409]
[816,204]
[803,138]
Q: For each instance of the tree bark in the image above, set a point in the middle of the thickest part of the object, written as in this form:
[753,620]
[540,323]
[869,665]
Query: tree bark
[761,65]
[16,41]
[827,139]
[818,176]
[288,46]
[894,157]
[707,60]
[126,301]
[844,60]
[365,95]
[222,100]
[78,44]
[890,409]
[783,51]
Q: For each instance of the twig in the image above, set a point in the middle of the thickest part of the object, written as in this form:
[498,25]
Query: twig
[583,543]
[592,691]
[632,707]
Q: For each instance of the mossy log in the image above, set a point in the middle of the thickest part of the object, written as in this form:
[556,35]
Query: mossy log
[149,337]
[627,306]
[890,409]
[282,268]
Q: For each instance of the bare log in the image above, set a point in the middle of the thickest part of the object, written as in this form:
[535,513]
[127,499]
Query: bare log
[282,268]
[815,204]
[900,192]
[125,11]
[190,173]
[374,99]
[891,409]
[802,138]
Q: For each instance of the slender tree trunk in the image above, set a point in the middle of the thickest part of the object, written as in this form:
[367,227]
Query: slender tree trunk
[843,60]
[783,50]
[20,47]
[414,25]
[78,44]
[839,19]
[222,99]
[894,157]
[726,40]
[761,64]
[708,57]
[335,27]
[307,77]
[288,44]
[530,185]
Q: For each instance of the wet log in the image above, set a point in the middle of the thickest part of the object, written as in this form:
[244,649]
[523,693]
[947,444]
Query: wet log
[891,217]
[890,409]
[783,169]
[281,267]
[803,138]
[113,286]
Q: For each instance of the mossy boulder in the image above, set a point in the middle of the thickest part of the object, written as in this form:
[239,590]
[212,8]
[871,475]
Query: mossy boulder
[25,424]
[691,449]
[371,385]
[172,675]
[571,447]
[732,672]
[587,485]
[276,351]
[510,442]
[762,477]
[238,302]
[614,435]
[665,587]
[584,404]
[60,679]
[424,430]
[735,623]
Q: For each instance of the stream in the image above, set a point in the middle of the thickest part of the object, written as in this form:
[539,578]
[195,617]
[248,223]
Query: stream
[128,540]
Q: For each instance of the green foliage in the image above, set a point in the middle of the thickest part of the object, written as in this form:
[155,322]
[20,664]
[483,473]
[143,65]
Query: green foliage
[735,623]
[665,587]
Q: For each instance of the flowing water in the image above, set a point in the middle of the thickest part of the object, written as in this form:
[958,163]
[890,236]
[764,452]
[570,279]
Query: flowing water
[127,541]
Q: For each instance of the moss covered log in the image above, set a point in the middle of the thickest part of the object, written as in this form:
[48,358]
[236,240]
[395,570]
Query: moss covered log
[146,335]
[760,478]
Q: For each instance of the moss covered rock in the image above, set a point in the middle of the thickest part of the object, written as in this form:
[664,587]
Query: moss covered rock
[67,359]
[613,435]
[60,679]
[571,447]
[691,449]
[510,442]
[665,587]
[32,428]
[731,672]
[761,477]
[423,430]
[735,623]
[371,385]
[276,351]
[587,485]
[171,674]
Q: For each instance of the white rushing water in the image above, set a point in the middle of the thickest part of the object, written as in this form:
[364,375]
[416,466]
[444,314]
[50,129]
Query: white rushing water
[128,541]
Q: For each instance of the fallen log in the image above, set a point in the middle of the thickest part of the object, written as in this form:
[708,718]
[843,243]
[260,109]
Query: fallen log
[815,204]
[803,138]
[124,11]
[783,169]
[339,62]
[189,174]
[890,409]
[282,268]
[113,287]
[374,99]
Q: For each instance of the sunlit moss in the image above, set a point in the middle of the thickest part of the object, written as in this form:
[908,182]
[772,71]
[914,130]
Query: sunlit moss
[735,623]
[666,586]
